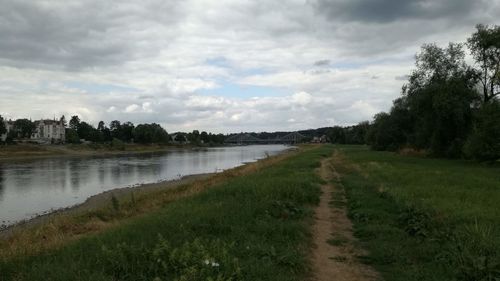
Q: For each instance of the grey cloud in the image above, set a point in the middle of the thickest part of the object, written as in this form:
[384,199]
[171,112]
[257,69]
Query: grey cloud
[383,11]
[322,63]
[74,35]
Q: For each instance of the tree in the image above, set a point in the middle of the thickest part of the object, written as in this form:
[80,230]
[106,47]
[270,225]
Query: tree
[74,122]
[204,137]
[3,129]
[24,128]
[384,133]
[85,131]
[337,135]
[439,99]
[484,141]
[127,131]
[101,126]
[72,136]
[485,48]
[114,125]
[150,133]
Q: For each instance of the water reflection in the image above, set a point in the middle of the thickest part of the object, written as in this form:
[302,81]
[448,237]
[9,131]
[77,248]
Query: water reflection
[28,188]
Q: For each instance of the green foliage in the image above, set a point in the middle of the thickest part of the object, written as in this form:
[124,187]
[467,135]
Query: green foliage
[23,128]
[349,135]
[117,144]
[384,133]
[72,136]
[485,48]
[436,109]
[150,133]
[484,142]
[3,129]
[74,122]
[200,259]
[115,203]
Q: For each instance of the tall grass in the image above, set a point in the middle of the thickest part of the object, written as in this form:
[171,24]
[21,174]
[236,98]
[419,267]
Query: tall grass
[252,227]
[424,219]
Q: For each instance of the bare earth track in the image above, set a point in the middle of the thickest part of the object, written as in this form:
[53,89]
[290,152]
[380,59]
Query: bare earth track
[334,257]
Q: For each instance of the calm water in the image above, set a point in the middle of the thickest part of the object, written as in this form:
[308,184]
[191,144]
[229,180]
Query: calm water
[29,188]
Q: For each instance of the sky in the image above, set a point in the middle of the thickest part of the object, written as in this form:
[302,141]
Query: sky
[220,66]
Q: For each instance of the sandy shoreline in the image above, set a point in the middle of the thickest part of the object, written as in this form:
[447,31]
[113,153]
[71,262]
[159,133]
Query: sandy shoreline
[99,201]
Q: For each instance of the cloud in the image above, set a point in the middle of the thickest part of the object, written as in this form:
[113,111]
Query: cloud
[183,64]
[322,63]
[384,11]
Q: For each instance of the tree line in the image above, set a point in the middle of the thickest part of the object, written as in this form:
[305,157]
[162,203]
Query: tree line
[127,132]
[117,132]
[448,107]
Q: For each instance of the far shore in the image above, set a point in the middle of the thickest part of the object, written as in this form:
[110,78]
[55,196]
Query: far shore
[34,151]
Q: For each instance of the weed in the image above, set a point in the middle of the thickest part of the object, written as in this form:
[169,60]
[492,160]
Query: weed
[416,221]
[472,254]
[115,203]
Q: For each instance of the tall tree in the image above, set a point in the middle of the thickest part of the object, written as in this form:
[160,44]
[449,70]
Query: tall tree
[24,128]
[439,98]
[74,122]
[485,48]
[101,126]
[3,129]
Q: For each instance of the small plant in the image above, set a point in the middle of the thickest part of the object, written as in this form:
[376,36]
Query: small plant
[133,202]
[473,256]
[115,203]
[285,210]
[200,259]
[416,221]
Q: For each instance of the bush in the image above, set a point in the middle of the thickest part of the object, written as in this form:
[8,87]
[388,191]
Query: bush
[484,142]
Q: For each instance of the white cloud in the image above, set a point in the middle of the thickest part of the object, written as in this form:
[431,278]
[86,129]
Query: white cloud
[182,63]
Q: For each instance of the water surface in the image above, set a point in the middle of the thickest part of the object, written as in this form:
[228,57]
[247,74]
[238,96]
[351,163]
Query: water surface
[29,188]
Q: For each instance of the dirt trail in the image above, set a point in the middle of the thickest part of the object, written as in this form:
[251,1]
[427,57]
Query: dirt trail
[334,257]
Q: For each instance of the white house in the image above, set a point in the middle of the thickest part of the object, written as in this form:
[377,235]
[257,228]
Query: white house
[46,131]
[49,131]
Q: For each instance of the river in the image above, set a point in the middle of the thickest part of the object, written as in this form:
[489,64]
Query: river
[34,187]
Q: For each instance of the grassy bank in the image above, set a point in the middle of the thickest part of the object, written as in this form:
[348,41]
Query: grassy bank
[250,226]
[423,219]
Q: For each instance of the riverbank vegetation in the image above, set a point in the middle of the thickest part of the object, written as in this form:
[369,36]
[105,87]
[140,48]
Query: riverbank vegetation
[421,218]
[251,224]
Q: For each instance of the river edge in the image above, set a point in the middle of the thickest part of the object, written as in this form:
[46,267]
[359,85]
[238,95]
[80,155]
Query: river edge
[98,201]
[35,152]
[103,199]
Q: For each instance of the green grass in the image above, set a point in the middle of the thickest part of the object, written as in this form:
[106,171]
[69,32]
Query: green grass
[424,219]
[253,227]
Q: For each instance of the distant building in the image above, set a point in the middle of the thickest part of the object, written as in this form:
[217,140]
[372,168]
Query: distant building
[321,139]
[49,131]
[46,131]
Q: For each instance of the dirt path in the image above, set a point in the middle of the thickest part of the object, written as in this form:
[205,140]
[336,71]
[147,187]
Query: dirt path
[334,257]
